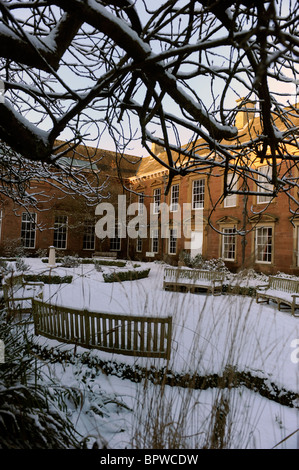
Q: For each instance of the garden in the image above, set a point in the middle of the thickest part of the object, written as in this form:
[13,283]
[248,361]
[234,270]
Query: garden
[231,380]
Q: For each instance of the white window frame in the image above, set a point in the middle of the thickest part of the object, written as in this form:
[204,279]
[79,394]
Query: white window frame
[231,199]
[261,249]
[198,192]
[155,240]
[115,242]
[138,245]
[28,229]
[141,203]
[89,235]
[266,186]
[228,232]
[172,241]
[174,197]
[157,200]
[60,229]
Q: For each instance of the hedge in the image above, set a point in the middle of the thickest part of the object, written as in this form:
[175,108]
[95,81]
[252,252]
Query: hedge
[46,279]
[119,264]
[126,276]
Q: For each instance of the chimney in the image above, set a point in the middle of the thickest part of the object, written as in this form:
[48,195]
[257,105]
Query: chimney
[245,113]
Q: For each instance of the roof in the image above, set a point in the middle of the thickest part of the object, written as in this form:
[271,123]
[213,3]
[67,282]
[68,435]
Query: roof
[75,162]
[107,162]
[252,129]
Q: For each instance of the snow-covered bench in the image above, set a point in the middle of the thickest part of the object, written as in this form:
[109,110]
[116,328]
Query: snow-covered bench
[281,290]
[193,280]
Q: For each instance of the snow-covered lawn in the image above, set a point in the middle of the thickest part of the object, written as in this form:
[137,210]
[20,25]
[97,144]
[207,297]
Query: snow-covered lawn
[209,334]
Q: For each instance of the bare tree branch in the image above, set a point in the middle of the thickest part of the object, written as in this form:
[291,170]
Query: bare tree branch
[86,67]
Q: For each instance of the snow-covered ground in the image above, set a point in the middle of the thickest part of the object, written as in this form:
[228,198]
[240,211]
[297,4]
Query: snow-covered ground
[209,333]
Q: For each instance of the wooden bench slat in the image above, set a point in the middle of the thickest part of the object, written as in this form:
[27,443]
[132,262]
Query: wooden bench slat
[117,333]
[283,291]
[191,279]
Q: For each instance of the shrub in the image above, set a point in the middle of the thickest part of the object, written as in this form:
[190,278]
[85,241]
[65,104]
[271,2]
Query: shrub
[21,265]
[46,260]
[239,290]
[41,252]
[30,417]
[126,276]
[13,248]
[46,279]
[70,262]
[106,262]
[199,262]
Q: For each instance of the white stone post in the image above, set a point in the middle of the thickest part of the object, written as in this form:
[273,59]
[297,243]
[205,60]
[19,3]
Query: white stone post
[52,262]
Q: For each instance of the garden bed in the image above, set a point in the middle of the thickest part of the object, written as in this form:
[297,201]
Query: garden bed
[231,378]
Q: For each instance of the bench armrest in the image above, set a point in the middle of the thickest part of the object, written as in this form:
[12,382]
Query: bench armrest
[262,287]
[217,280]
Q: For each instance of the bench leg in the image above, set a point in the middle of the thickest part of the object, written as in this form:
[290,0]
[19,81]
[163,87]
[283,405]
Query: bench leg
[286,306]
[294,308]
[217,291]
[263,299]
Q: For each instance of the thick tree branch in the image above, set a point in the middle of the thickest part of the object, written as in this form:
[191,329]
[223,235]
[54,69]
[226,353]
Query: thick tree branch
[22,136]
[40,52]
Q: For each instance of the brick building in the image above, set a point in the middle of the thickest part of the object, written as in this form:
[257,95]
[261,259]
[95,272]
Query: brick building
[61,219]
[271,242]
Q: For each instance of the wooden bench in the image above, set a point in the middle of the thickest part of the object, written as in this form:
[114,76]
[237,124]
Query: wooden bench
[18,294]
[281,290]
[111,332]
[193,280]
[105,254]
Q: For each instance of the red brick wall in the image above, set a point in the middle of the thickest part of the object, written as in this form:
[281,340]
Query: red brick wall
[277,215]
[74,208]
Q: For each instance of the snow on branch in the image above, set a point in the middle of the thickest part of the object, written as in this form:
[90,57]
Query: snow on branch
[182,74]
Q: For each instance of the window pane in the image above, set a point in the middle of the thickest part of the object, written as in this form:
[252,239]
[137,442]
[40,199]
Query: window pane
[140,203]
[157,200]
[172,241]
[60,231]
[264,244]
[115,242]
[229,244]
[28,229]
[89,236]
[264,185]
[231,199]
[174,198]
[155,241]
[139,244]
[198,193]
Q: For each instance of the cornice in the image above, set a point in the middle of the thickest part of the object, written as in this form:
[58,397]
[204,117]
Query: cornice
[149,176]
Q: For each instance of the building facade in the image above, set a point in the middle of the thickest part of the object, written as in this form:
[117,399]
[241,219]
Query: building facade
[61,218]
[270,242]
[253,231]
[247,231]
